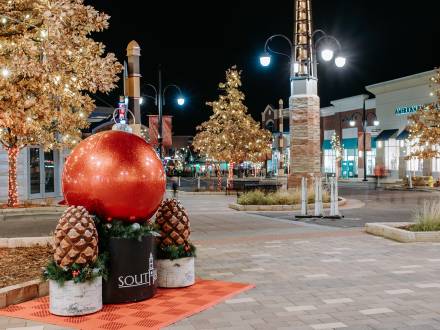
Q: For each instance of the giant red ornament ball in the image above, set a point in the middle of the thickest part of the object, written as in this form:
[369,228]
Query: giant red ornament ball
[115,175]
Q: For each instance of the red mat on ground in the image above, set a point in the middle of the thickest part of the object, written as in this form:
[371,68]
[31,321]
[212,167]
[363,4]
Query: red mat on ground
[168,306]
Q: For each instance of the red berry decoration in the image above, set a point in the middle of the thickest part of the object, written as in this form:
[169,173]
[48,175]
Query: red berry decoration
[115,175]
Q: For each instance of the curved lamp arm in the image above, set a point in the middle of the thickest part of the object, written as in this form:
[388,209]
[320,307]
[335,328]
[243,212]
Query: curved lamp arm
[327,37]
[155,93]
[169,86]
[267,49]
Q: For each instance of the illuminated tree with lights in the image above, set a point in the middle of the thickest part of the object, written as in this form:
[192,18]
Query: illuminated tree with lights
[231,135]
[424,126]
[338,150]
[48,64]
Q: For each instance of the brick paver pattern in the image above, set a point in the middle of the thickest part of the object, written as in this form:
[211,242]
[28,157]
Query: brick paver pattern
[306,276]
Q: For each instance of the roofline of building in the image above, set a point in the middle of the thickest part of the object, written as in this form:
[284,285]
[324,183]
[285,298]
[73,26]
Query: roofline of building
[414,80]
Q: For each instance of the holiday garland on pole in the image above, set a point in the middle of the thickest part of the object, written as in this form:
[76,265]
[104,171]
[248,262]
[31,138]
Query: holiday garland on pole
[231,135]
[48,64]
[424,126]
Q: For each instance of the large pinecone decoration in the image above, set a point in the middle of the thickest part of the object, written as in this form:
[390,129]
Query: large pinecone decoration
[174,224]
[75,238]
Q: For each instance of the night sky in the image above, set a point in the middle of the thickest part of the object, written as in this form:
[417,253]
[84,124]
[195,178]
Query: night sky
[196,41]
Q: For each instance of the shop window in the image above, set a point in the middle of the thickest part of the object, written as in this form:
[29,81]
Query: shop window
[391,148]
[352,155]
[329,161]
[413,165]
[371,161]
[286,125]
[269,126]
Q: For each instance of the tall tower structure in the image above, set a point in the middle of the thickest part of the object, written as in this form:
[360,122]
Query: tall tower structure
[304,109]
[133,77]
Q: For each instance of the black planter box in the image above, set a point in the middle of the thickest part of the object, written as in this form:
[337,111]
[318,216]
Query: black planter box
[132,270]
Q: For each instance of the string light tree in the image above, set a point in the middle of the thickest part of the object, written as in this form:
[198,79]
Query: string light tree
[338,150]
[48,64]
[424,126]
[231,135]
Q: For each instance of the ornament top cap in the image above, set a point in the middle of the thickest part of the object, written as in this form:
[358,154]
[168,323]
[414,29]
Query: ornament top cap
[133,49]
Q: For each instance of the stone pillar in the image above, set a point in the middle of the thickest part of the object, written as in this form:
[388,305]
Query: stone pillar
[305,150]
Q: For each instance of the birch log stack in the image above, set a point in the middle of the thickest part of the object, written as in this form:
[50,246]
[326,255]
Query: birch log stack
[74,299]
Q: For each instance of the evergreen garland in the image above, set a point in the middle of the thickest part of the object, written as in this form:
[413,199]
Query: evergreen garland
[175,252]
[77,273]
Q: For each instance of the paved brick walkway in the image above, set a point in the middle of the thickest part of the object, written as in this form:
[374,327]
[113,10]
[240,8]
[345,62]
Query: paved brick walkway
[306,276]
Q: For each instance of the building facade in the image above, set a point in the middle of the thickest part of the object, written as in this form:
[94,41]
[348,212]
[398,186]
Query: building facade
[338,119]
[386,143]
[395,101]
[276,120]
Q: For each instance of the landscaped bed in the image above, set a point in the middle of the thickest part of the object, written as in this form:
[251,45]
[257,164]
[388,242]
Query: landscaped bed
[258,197]
[425,228]
[22,264]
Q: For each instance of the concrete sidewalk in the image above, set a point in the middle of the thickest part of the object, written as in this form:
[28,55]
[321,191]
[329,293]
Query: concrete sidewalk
[307,276]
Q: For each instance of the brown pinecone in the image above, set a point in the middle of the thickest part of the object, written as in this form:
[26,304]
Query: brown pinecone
[75,238]
[174,224]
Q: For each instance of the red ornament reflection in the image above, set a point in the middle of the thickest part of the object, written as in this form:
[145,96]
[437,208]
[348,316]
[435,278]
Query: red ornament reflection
[115,175]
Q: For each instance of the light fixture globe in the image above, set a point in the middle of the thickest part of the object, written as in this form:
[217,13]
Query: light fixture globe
[376,122]
[352,123]
[327,54]
[340,61]
[181,101]
[265,60]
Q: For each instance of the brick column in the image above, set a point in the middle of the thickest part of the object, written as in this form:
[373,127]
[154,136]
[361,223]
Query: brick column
[305,149]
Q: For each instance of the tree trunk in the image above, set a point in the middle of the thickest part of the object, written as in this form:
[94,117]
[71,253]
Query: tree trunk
[219,178]
[12,182]
[230,175]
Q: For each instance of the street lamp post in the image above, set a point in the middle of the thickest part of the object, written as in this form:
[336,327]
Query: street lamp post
[305,159]
[364,130]
[159,101]
[310,70]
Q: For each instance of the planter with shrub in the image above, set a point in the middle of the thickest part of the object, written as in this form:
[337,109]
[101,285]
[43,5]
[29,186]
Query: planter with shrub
[175,264]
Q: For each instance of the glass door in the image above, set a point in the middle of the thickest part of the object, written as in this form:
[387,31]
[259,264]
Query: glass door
[42,172]
[34,172]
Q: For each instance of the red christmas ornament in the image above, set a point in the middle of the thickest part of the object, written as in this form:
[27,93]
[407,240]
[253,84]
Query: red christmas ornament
[115,175]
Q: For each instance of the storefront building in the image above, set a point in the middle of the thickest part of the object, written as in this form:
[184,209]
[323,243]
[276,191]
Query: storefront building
[344,119]
[395,101]
[276,120]
[387,108]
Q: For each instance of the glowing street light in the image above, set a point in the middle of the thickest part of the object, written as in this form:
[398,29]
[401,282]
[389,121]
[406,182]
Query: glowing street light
[327,54]
[181,101]
[340,61]
[265,60]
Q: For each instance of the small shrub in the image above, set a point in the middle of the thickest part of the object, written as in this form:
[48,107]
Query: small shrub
[427,217]
[258,197]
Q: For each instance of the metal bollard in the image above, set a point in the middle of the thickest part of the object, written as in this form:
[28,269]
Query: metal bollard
[198,183]
[334,206]
[304,196]
[318,197]
[179,181]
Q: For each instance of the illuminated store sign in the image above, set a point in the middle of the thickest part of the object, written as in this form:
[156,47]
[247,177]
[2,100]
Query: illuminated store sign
[407,109]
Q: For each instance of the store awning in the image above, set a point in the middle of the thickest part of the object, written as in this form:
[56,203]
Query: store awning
[327,145]
[403,135]
[350,143]
[386,134]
